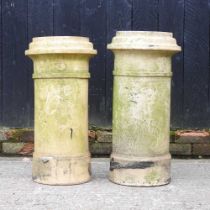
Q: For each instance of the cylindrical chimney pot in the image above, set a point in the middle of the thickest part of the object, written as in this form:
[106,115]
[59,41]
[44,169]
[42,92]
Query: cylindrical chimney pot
[61,63]
[141,107]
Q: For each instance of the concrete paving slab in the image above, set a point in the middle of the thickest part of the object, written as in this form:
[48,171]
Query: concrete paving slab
[189,189]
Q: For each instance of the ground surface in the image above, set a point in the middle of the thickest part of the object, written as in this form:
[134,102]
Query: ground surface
[189,189]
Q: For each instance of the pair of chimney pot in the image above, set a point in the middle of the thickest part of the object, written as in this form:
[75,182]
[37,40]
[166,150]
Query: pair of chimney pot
[141,108]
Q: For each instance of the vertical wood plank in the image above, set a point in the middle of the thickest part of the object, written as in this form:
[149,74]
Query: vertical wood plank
[145,15]
[196,63]
[1,69]
[67,17]
[15,75]
[93,25]
[40,18]
[40,23]
[119,17]
[171,19]
[208,110]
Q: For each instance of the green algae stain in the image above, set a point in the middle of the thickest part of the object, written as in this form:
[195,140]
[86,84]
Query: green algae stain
[152,177]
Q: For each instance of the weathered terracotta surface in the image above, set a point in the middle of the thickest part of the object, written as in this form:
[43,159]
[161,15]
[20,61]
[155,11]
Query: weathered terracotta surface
[141,107]
[61,155]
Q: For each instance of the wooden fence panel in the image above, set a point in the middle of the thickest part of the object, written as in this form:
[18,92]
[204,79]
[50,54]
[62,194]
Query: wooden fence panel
[40,23]
[99,20]
[1,69]
[66,17]
[196,63]
[145,15]
[15,73]
[171,19]
[93,25]
[119,17]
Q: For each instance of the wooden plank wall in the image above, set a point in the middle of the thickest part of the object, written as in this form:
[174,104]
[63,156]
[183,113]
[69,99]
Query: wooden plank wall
[100,19]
